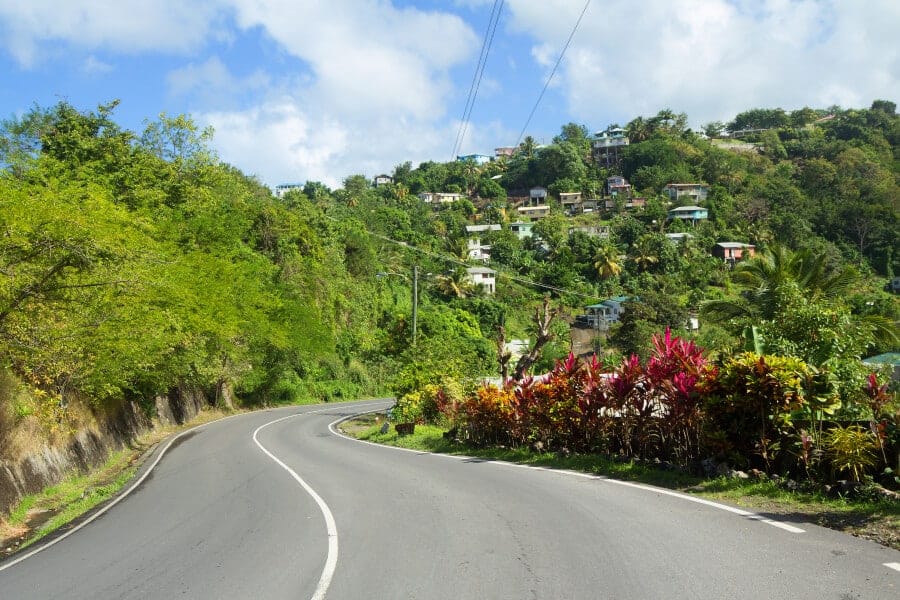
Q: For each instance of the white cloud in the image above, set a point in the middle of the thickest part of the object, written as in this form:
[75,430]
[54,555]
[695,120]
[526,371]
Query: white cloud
[714,58]
[211,84]
[377,94]
[131,26]
[94,66]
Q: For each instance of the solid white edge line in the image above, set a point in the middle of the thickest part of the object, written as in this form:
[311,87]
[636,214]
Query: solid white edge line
[738,511]
[113,502]
[40,547]
[894,566]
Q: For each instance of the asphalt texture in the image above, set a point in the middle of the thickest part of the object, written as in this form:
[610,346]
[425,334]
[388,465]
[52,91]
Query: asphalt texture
[228,517]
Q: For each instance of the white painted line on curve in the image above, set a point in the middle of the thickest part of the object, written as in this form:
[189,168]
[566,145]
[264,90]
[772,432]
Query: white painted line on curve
[649,488]
[135,484]
[894,566]
[331,526]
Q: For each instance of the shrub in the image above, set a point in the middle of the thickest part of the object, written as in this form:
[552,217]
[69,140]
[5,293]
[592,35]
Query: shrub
[750,406]
[851,449]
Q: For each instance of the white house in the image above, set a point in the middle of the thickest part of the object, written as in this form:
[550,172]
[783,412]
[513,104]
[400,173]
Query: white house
[484,277]
[479,251]
[283,188]
[441,197]
[604,314]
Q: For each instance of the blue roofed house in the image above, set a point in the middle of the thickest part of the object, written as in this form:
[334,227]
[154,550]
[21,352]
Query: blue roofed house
[689,213]
[605,313]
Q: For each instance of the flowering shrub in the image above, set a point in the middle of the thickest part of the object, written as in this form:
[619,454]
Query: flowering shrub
[750,410]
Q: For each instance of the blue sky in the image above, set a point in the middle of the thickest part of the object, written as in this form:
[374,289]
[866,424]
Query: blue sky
[302,90]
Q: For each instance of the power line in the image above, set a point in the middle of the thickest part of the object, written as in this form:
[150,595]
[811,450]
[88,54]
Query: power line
[479,72]
[553,72]
[455,261]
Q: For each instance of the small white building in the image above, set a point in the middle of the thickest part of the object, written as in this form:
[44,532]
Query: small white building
[478,251]
[441,197]
[484,277]
[283,188]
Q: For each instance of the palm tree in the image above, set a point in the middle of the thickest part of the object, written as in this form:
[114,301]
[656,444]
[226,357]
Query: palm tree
[766,276]
[638,130]
[770,278]
[528,146]
[644,254]
[455,284]
[606,261]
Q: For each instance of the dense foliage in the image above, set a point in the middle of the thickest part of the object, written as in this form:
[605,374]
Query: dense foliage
[135,263]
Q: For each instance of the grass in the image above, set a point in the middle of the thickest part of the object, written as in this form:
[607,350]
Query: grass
[875,518]
[39,514]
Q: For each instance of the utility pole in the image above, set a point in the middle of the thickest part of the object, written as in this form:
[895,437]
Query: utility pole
[415,302]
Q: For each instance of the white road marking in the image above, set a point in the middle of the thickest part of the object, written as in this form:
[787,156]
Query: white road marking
[894,566]
[330,525]
[649,488]
[131,488]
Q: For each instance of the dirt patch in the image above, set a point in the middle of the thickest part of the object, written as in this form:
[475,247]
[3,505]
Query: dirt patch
[361,424]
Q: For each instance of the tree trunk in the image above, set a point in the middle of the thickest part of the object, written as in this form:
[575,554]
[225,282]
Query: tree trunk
[543,317]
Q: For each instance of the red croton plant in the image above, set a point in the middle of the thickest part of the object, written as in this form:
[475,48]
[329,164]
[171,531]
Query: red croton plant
[648,410]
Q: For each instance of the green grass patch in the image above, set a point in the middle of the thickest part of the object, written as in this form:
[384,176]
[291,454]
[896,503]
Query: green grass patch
[59,504]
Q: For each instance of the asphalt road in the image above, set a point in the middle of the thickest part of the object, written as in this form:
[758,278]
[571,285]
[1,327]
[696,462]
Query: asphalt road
[276,505]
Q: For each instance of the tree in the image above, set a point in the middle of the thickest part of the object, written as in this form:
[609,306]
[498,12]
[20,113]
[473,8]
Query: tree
[606,261]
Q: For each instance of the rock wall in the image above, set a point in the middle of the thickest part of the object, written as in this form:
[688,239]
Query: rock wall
[89,448]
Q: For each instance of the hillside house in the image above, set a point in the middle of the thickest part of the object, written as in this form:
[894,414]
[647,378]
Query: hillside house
[537,196]
[608,146]
[732,252]
[570,201]
[534,212]
[484,277]
[689,213]
[506,151]
[441,197]
[598,231]
[521,229]
[686,192]
[590,205]
[283,188]
[478,159]
[603,314]
[679,237]
[470,229]
[383,179]
[478,251]
[618,186]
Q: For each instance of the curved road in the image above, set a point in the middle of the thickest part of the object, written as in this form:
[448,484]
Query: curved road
[275,505]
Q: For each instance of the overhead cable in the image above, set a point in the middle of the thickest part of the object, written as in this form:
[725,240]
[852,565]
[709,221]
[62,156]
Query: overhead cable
[456,261]
[486,44]
[553,72]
